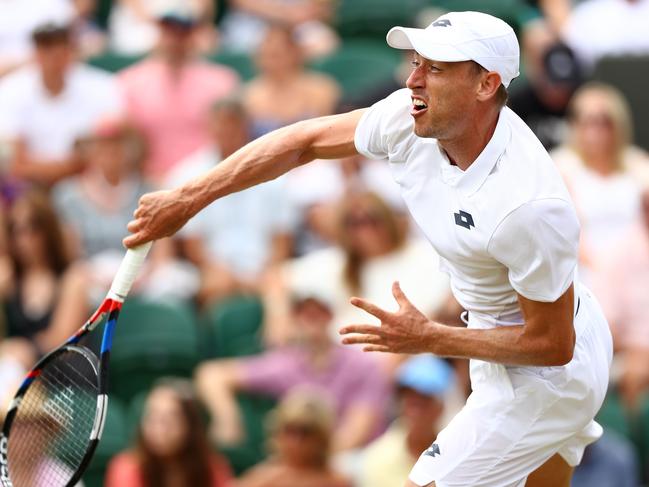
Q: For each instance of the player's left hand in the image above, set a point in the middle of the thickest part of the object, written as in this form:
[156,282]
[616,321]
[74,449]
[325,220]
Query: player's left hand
[406,331]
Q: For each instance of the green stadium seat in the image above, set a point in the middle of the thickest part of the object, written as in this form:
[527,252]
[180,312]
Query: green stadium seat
[152,340]
[373,18]
[360,65]
[629,74]
[240,62]
[112,62]
[613,416]
[231,328]
[114,439]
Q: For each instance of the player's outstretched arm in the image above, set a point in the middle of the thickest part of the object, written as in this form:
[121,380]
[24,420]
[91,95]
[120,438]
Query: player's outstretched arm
[163,213]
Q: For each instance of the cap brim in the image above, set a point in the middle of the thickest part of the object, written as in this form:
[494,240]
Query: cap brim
[421,41]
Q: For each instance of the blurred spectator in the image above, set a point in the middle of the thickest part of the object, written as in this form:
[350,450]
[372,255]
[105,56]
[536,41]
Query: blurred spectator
[91,38]
[374,250]
[169,93]
[609,462]
[347,377]
[39,293]
[284,91]
[602,170]
[235,239]
[622,287]
[171,448]
[301,437]
[246,21]
[598,28]
[133,30]
[17,22]
[422,383]
[552,76]
[315,190]
[96,207]
[46,106]
[97,204]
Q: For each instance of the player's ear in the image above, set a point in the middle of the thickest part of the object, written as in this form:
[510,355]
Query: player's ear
[489,84]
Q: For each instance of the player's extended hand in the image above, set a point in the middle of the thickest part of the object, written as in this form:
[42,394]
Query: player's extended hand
[159,214]
[406,331]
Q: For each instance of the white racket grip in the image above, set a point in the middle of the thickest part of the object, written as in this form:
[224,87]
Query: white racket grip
[127,272]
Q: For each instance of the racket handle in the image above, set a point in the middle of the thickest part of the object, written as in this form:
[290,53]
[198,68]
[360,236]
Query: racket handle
[127,272]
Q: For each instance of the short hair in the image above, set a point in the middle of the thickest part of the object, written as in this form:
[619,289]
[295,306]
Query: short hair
[501,94]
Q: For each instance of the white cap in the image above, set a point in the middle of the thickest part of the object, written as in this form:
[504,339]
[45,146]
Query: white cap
[464,36]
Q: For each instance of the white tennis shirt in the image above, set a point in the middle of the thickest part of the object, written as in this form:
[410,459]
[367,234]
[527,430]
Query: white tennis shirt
[506,225]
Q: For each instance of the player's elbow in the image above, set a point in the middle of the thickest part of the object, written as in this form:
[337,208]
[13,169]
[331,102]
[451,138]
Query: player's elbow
[558,352]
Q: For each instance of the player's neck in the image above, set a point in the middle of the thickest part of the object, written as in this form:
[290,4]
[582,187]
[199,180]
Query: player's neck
[465,148]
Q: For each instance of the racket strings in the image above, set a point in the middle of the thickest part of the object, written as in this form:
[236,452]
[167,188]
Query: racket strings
[51,430]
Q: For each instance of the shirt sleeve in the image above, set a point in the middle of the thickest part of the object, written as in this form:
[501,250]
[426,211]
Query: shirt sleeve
[384,128]
[269,373]
[538,243]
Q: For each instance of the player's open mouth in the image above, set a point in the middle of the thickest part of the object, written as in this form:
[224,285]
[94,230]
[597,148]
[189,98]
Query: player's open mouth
[418,107]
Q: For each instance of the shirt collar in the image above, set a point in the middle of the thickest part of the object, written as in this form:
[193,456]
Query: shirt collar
[469,181]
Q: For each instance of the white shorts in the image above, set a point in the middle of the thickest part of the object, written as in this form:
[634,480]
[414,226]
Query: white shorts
[516,418]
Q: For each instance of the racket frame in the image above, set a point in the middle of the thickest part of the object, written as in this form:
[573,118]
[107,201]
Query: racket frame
[110,307]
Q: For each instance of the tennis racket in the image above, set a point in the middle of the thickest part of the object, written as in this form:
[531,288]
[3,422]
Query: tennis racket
[55,421]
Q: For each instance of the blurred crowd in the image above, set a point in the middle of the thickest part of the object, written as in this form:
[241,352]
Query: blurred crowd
[102,101]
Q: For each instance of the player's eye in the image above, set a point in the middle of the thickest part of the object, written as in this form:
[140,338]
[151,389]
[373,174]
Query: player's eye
[414,63]
[434,69]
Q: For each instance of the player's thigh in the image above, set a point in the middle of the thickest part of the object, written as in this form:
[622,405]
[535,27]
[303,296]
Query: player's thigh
[410,483]
[555,471]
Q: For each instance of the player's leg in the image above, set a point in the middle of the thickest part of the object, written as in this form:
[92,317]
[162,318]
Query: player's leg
[555,472]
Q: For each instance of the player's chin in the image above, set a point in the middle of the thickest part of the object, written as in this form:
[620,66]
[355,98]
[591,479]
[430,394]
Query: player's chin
[423,128]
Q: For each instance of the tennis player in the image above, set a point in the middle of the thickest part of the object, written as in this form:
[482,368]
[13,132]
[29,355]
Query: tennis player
[489,199]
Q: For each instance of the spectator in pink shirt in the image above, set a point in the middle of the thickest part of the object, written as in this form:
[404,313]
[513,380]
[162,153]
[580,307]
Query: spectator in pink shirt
[624,295]
[169,93]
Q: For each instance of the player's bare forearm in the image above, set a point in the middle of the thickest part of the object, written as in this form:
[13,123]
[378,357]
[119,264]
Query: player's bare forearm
[546,338]
[163,213]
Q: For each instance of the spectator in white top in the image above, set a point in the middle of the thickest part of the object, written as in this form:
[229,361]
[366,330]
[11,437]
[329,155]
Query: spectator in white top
[599,28]
[603,171]
[45,107]
[236,239]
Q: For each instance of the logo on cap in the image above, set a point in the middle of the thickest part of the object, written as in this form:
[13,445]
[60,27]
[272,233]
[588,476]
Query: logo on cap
[442,23]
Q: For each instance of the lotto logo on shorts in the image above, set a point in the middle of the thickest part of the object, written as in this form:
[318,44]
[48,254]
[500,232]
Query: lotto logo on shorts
[433,450]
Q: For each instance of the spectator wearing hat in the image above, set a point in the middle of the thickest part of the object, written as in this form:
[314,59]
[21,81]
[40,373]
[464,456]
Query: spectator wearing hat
[302,429]
[422,384]
[346,377]
[46,106]
[168,94]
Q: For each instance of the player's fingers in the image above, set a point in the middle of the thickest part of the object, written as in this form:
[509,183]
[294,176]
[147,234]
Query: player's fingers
[134,225]
[371,308]
[134,240]
[399,295]
[365,329]
[376,348]
[362,340]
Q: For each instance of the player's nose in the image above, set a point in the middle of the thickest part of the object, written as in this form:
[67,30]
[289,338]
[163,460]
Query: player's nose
[416,79]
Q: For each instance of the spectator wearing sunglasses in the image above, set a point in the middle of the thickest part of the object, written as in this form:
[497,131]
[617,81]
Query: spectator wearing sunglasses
[301,436]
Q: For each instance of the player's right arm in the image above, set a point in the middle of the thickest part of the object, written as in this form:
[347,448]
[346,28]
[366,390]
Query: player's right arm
[162,213]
